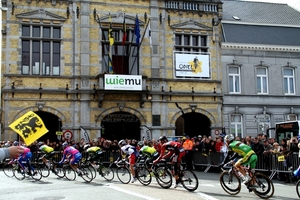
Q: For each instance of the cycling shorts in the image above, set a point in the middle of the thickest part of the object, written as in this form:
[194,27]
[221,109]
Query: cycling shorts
[249,159]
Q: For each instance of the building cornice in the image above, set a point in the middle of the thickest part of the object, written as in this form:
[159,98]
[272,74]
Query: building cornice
[259,24]
[260,47]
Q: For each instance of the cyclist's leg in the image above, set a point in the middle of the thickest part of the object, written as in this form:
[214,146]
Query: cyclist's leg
[74,162]
[20,161]
[177,166]
[28,160]
[132,159]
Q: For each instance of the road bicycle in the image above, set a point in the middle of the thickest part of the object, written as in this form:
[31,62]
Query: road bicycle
[8,166]
[106,172]
[20,173]
[144,172]
[260,184]
[70,173]
[122,171]
[53,167]
[187,178]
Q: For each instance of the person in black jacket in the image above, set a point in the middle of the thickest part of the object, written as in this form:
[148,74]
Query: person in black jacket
[257,147]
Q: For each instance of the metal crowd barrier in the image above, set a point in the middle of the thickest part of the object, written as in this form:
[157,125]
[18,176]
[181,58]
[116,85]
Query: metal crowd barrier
[268,163]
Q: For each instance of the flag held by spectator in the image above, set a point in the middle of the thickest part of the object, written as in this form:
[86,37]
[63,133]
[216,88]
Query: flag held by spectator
[124,31]
[137,29]
[30,127]
[85,135]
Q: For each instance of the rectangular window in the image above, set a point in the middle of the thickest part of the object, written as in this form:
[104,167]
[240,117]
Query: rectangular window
[236,126]
[121,58]
[41,50]
[262,80]
[288,81]
[234,80]
[191,43]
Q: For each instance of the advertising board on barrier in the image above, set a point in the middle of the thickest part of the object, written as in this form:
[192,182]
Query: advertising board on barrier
[192,65]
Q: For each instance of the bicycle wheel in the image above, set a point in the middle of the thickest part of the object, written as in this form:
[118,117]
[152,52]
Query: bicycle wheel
[189,180]
[123,174]
[87,174]
[36,175]
[58,171]
[143,175]
[8,169]
[163,177]
[69,173]
[298,188]
[44,170]
[262,186]
[19,173]
[106,172]
[230,182]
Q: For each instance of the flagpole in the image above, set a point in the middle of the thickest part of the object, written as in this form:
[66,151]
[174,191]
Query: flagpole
[99,22]
[138,49]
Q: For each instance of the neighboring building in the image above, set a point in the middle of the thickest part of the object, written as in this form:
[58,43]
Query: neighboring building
[67,61]
[261,60]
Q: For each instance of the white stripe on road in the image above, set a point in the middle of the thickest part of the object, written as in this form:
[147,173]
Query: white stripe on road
[131,193]
[206,197]
[207,185]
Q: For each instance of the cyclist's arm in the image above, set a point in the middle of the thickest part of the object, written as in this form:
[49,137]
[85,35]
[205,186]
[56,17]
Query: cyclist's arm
[230,156]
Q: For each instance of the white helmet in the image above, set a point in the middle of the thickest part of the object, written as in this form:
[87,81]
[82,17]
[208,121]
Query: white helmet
[229,137]
[85,147]
[122,142]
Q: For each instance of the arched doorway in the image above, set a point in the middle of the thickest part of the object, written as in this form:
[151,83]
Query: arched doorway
[120,125]
[52,123]
[193,124]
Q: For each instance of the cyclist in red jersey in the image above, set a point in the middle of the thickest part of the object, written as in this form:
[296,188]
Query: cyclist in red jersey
[173,148]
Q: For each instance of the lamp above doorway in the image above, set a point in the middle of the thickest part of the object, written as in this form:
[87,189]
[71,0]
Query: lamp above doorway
[40,105]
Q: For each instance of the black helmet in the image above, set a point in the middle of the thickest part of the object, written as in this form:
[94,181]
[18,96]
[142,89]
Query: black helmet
[163,138]
[140,144]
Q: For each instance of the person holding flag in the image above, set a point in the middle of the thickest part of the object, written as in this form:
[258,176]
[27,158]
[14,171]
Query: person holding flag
[10,152]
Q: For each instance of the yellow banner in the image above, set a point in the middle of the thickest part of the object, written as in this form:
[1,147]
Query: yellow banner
[30,127]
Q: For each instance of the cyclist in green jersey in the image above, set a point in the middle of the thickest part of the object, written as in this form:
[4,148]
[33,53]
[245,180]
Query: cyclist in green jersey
[94,154]
[149,152]
[49,153]
[240,149]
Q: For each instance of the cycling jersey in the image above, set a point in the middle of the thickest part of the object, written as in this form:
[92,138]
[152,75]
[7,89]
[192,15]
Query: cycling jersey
[248,155]
[71,153]
[173,148]
[131,151]
[25,156]
[46,149]
[93,149]
[148,151]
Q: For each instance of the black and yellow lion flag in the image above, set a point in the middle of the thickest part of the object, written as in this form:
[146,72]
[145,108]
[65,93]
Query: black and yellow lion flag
[30,127]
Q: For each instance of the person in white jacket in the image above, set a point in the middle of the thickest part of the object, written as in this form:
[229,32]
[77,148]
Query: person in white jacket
[10,152]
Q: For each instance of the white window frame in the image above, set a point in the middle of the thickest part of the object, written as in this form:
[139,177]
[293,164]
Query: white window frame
[236,125]
[262,86]
[287,81]
[235,83]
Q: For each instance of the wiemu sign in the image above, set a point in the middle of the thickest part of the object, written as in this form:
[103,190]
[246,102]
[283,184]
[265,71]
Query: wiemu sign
[122,82]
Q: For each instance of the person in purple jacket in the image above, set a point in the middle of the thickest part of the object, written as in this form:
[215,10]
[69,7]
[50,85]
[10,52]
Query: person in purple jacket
[73,155]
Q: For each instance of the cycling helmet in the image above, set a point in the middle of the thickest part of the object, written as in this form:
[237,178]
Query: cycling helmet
[85,147]
[229,137]
[65,144]
[16,143]
[40,144]
[164,138]
[122,142]
[140,144]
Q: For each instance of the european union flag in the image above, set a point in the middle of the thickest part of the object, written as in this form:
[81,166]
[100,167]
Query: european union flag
[137,30]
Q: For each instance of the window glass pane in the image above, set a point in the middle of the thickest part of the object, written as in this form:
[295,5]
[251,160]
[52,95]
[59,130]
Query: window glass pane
[195,41]
[46,58]
[56,32]
[264,79]
[46,32]
[233,70]
[35,57]
[25,56]
[236,118]
[26,31]
[203,41]
[177,40]
[258,85]
[261,71]
[237,84]
[231,84]
[285,83]
[291,86]
[288,72]
[186,39]
[36,31]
